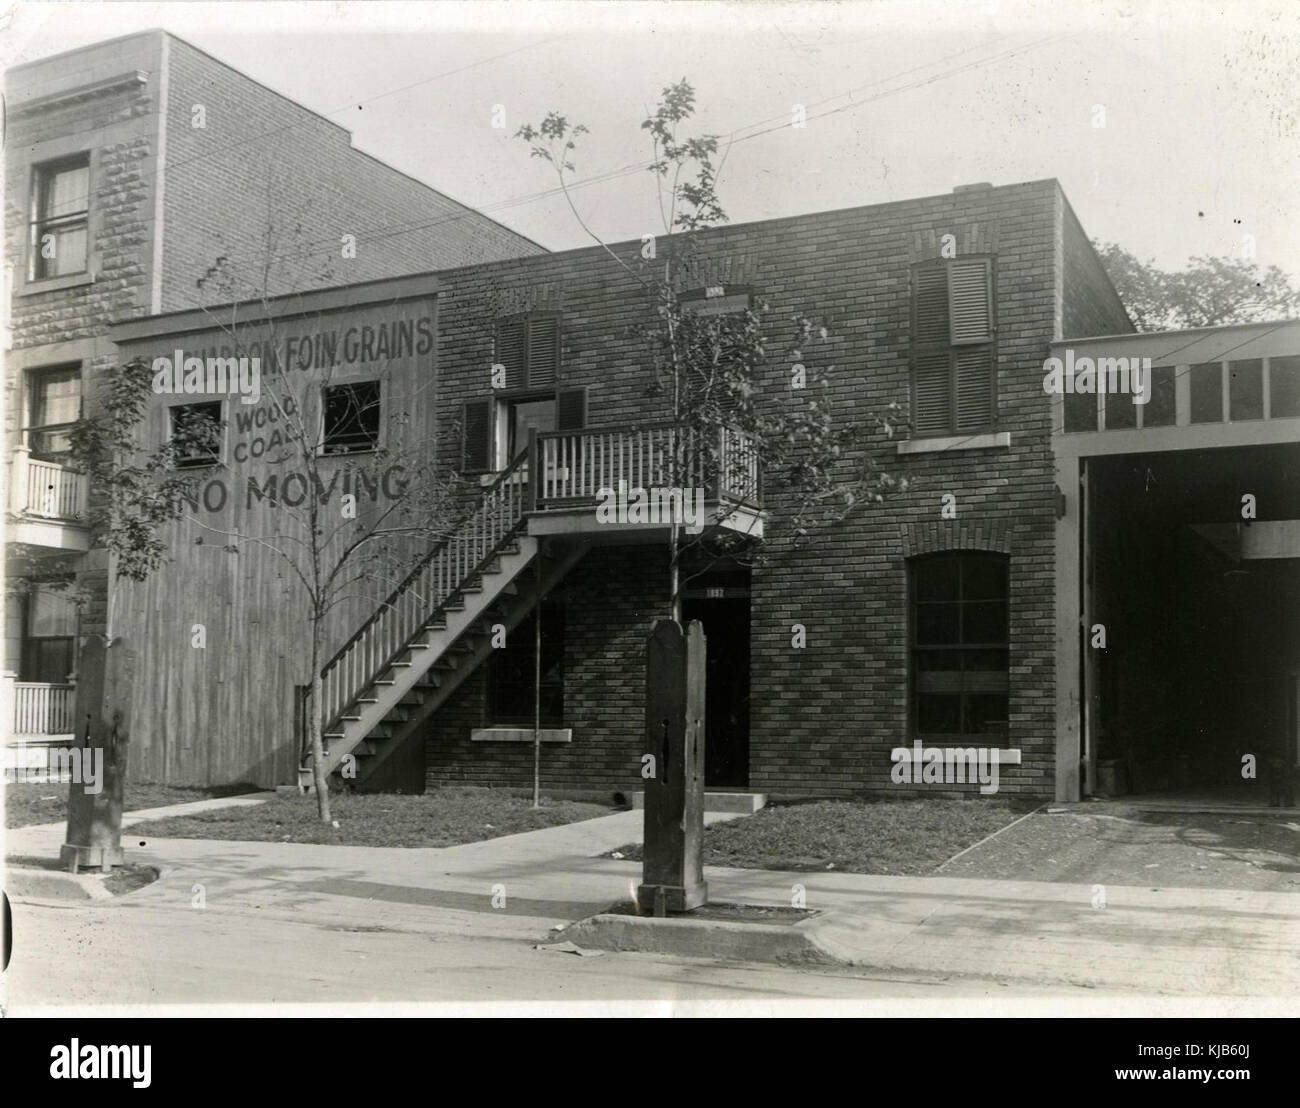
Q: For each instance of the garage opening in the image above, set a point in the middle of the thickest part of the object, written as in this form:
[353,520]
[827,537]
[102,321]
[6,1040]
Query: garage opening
[1192,643]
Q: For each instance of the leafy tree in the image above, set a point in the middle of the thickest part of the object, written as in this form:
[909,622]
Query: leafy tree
[715,371]
[1207,292]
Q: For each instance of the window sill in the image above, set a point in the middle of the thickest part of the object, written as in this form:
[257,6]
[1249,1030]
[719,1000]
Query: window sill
[53,284]
[326,454]
[992,440]
[520,734]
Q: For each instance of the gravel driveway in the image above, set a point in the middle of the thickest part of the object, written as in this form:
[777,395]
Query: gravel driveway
[1127,846]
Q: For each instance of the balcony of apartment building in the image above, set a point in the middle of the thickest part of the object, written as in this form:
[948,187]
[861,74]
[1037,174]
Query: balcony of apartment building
[47,496]
[40,686]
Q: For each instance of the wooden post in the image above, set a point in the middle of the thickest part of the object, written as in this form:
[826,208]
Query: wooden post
[534,471]
[673,869]
[102,727]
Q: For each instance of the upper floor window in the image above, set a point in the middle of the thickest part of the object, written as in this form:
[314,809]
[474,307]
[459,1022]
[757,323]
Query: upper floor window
[53,407]
[351,418]
[959,630]
[61,218]
[196,428]
[954,378]
[494,432]
[529,348]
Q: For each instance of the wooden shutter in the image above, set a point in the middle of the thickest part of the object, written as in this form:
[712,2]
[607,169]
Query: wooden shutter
[543,351]
[476,437]
[974,380]
[570,409]
[930,305]
[931,392]
[512,350]
[970,300]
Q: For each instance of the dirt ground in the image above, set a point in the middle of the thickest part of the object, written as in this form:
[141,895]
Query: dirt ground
[1125,846]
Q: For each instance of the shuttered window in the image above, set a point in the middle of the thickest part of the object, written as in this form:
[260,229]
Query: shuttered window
[529,348]
[954,378]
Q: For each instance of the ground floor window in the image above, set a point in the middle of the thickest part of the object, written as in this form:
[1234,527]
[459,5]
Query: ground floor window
[49,637]
[959,647]
[512,673]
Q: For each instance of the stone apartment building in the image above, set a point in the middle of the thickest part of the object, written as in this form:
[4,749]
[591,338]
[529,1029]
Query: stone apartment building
[135,169]
[930,617]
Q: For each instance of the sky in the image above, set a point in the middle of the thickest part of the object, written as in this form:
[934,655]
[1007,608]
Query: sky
[1174,127]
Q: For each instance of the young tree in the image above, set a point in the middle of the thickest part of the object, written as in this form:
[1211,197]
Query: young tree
[1209,291]
[710,368]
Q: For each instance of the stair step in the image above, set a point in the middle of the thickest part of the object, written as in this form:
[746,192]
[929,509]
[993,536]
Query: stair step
[367,700]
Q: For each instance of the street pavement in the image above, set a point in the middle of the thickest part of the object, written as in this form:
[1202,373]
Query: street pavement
[275,923]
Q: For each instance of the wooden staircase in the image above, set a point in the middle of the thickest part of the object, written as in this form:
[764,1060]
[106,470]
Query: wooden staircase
[434,630]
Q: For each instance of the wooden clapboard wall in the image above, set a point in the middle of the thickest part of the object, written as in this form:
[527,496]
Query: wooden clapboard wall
[224,712]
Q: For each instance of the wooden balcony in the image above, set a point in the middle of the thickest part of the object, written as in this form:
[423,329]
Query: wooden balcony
[48,501]
[627,484]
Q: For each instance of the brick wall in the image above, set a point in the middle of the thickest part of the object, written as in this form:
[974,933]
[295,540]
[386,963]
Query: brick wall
[823,718]
[1090,304]
[287,185]
[611,599]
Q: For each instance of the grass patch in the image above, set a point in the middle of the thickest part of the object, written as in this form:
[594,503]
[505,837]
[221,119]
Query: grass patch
[31,802]
[898,837]
[442,817]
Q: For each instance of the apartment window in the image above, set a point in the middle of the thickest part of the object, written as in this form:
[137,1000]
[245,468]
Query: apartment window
[61,218]
[54,406]
[959,628]
[512,672]
[196,429]
[529,348]
[49,636]
[1284,387]
[351,418]
[954,383]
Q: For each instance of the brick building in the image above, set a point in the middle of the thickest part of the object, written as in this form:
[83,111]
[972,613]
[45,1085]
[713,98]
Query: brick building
[134,170]
[932,616]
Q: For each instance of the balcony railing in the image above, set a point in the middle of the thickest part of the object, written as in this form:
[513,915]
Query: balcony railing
[47,490]
[577,465]
[41,709]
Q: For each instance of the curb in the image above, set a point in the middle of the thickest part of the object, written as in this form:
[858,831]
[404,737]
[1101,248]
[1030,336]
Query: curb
[734,942]
[57,885]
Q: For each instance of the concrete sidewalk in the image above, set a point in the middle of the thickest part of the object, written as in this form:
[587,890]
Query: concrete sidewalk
[1176,941]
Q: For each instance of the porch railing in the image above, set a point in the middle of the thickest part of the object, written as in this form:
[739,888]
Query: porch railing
[46,489]
[41,709]
[577,465]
